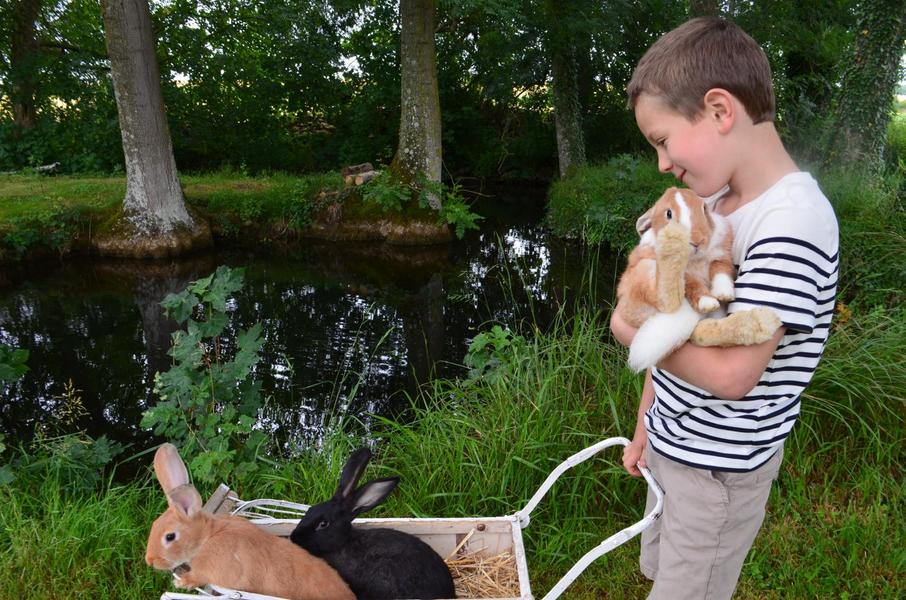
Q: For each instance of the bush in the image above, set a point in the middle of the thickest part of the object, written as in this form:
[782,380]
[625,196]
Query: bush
[895,150]
[872,221]
[601,203]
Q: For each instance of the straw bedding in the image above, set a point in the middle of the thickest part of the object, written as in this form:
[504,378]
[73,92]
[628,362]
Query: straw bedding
[479,576]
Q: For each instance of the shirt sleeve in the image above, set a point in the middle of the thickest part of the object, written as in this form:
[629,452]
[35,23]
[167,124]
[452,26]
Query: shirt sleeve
[790,266]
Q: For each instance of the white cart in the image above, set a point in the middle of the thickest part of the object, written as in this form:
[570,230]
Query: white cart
[488,535]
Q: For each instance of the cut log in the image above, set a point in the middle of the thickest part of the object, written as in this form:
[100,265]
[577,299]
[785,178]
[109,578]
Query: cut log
[365,177]
[356,169]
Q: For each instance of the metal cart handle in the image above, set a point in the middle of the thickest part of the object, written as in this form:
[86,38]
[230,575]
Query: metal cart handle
[613,541]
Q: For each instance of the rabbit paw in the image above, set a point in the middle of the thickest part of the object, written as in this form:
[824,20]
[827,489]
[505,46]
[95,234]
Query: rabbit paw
[673,245]
[722,288]
[707,304]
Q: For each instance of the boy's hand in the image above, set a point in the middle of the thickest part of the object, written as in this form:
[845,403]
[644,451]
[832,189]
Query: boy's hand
[634,457]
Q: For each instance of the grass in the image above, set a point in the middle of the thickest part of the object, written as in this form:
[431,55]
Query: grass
[58,213]
[834,524]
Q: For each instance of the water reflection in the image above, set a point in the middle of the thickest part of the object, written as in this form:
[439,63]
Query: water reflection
[349,330]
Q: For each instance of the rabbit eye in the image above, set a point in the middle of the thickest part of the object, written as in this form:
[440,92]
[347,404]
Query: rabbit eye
[669,214]
[322,524]
[170,537]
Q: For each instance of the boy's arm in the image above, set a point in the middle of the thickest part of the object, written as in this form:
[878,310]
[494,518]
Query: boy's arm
[632,454]
[728,373]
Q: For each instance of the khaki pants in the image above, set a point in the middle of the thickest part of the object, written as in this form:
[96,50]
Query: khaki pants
[697,548]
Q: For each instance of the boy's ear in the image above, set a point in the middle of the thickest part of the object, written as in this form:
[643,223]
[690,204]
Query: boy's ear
[720,107]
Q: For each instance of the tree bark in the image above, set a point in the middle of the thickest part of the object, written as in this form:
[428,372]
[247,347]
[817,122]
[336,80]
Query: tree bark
[154,202]
[23,64]
[870,77]
[419,150]
[567,107]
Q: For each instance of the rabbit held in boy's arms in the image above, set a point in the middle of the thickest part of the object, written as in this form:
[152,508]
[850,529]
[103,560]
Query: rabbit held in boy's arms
[681,270]
[227,550]
[378,564]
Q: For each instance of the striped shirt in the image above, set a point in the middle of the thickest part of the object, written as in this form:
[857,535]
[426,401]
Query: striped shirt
[785,250]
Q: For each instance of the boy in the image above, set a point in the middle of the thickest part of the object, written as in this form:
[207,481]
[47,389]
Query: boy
[712,421]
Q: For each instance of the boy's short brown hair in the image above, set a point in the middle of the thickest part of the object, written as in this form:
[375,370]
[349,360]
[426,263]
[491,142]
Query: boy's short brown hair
[701,54]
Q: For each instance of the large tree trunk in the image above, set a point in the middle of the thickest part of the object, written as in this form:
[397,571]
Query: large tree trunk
[23,64]
[154,202]
[869,80]
[567,107]
[419,149]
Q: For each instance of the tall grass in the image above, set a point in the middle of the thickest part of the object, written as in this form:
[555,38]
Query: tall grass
[65,532]
[834,524]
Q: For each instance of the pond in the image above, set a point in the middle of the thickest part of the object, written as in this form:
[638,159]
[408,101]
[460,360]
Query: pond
[349,329]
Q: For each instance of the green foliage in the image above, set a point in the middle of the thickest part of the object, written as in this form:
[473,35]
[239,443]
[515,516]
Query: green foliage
[12,364]
[602,203]
[872,219]
[75,461]
[492,354]
[454,209]
[393,196]
[896,142]
[209,402]
[386,192]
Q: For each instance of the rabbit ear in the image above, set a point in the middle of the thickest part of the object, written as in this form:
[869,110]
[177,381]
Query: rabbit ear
[372,493]
[643,223]
[185,499]
[353,470]
[170,470]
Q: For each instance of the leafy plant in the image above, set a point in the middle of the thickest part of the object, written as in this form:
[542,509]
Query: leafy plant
[209,401]
[454,209]
[387,192]
[12,364]
[493,353]
[74,460]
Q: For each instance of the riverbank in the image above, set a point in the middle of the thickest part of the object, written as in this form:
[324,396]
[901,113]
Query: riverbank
[482,447]
[42,215]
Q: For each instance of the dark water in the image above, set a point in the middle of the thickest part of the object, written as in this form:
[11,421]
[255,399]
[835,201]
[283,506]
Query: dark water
[350,329]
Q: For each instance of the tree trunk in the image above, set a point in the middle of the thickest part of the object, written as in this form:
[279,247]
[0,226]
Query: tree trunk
[419,150]
[567,107]
[869,80]
[23,64]
[154,202]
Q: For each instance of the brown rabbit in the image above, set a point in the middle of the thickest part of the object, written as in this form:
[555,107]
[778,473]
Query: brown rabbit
[227,550]
[681,270]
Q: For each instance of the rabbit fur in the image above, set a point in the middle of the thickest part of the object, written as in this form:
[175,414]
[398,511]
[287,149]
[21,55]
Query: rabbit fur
[227,550]
[376,563]
[681,270]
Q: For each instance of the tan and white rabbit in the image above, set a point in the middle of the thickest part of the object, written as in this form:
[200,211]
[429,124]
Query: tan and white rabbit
[227,550]
[681,270]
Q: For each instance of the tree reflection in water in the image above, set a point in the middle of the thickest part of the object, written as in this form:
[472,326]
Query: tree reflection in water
[350,330]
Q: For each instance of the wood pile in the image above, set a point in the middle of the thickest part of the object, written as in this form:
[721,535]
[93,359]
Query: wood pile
[358,174]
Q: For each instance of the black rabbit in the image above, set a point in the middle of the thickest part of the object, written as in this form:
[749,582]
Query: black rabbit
[378,564]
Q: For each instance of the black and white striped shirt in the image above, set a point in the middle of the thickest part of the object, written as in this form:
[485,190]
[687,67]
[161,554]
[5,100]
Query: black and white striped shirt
[785,249]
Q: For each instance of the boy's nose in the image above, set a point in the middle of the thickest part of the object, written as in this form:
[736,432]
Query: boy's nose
[664,164]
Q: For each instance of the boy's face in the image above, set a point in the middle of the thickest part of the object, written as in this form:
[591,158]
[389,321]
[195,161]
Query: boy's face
[692,151]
